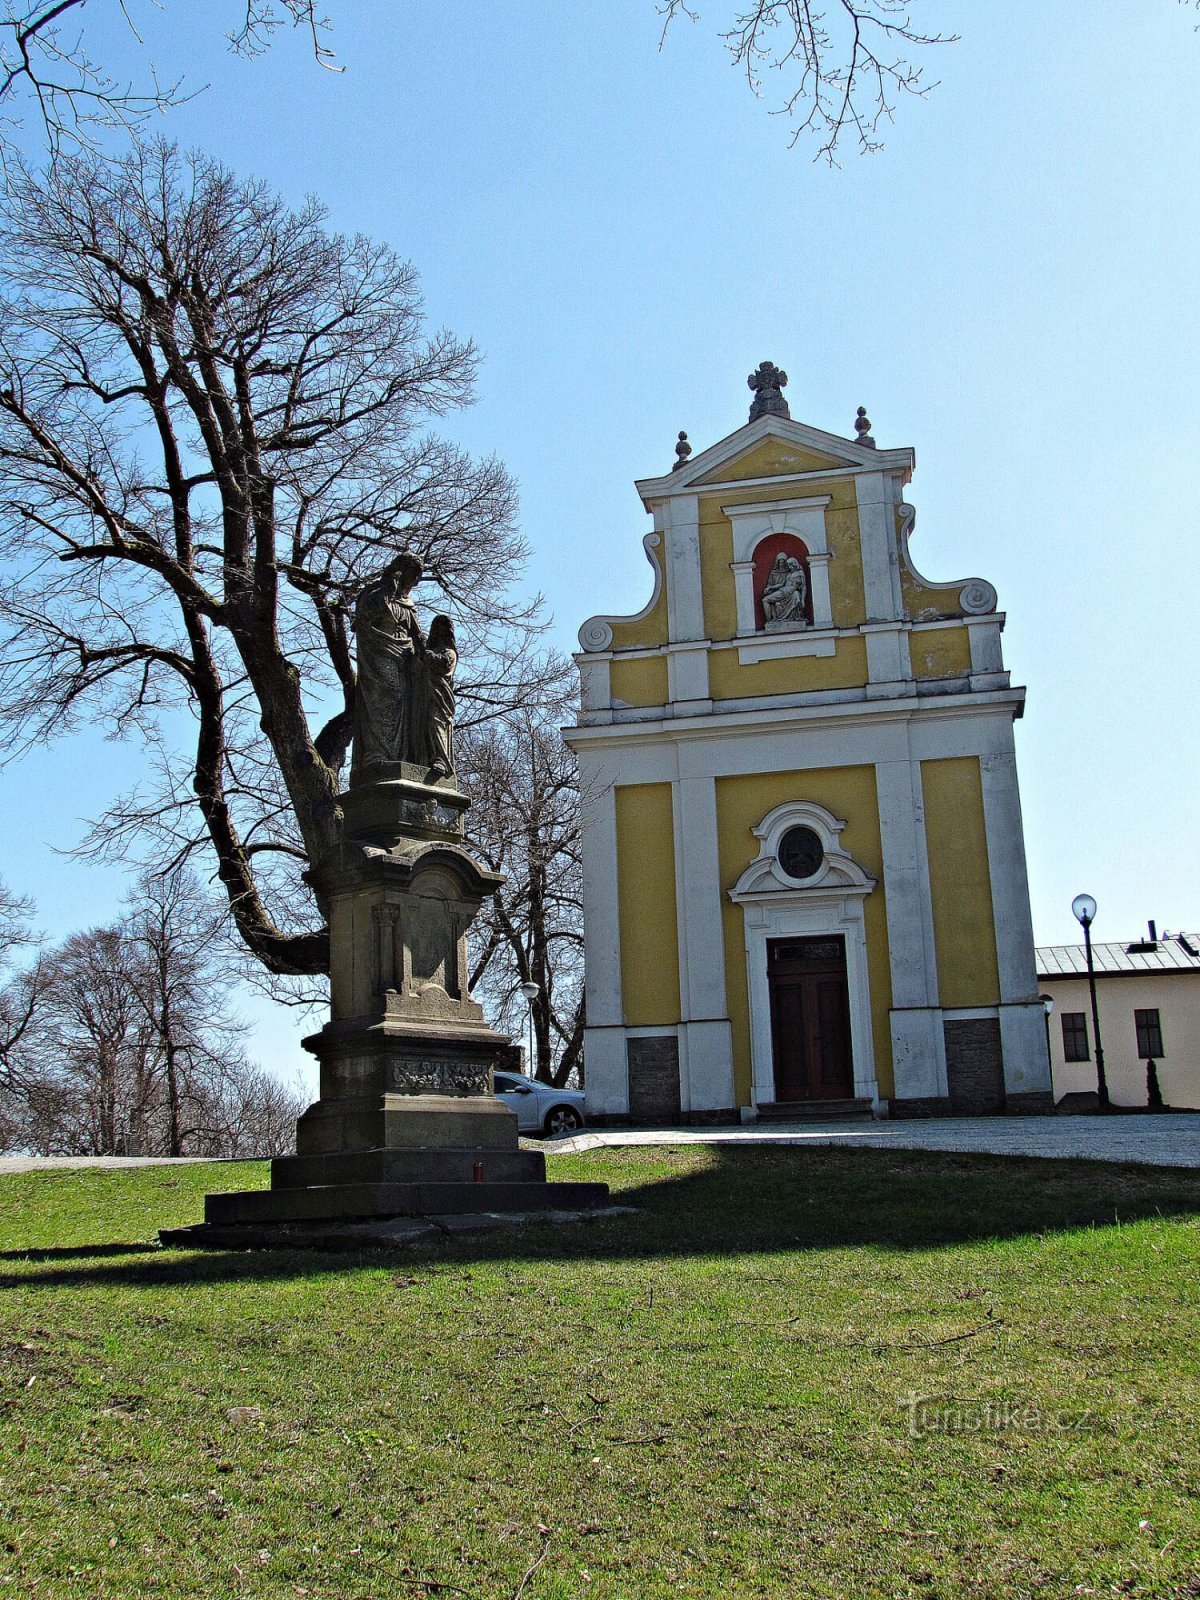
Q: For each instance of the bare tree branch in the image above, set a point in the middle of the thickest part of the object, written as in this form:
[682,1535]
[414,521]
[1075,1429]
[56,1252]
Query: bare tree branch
[837,58]
[47,69]
[525,822]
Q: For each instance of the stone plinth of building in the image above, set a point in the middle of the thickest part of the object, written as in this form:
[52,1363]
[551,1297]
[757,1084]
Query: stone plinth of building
[406,1123]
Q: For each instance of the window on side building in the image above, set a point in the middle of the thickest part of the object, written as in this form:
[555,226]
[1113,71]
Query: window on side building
[1149,1035]
[1075,1036]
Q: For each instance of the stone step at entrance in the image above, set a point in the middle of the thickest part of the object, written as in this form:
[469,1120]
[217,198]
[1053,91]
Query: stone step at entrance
[816,1111]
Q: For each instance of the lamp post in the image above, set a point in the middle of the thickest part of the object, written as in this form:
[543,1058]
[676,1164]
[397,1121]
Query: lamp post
[1048,1007]
[531,992]
[1084,908]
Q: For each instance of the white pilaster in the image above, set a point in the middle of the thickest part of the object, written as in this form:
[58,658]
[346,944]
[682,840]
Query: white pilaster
[880,558]
[598,852]
[1026,1064]
[595,683]
[984,636]
[743,589]
[706,1044]
[680,526]
[687,679]
[607,1080]
[918,1043]
[889,661]
[818,572]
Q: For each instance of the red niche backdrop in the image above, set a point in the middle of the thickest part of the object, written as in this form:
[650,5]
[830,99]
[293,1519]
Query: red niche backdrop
[765,552]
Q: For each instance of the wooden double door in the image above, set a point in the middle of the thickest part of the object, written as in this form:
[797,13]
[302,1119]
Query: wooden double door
[810,1018]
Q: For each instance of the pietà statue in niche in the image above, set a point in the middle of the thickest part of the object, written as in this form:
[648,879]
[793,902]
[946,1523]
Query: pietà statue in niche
[785,595]
[404,701]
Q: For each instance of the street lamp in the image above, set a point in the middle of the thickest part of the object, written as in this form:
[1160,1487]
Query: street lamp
[531,992]
[1048,1007]
[1084,909]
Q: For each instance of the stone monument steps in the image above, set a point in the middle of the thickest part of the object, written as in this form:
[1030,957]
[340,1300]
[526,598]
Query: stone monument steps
[481,1165]
[814,1110]
[320,1203]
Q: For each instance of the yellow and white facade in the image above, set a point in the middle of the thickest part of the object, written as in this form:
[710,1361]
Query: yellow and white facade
[876,729]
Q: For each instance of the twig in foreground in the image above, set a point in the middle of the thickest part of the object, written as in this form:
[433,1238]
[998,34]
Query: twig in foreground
[529,1574]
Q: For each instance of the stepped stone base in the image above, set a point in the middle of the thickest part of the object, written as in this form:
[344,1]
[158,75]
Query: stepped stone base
[378,1233]
[432,1198]
[407,1126]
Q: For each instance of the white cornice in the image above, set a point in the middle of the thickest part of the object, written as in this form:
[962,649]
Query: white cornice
[854,458]
[784,719]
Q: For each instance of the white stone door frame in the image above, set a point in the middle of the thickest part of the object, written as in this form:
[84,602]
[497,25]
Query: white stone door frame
[776,906]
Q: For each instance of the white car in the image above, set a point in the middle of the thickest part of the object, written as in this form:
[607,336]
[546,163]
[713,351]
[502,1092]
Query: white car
[540,1107]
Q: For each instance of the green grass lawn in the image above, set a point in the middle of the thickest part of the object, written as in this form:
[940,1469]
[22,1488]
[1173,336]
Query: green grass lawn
[792,1373]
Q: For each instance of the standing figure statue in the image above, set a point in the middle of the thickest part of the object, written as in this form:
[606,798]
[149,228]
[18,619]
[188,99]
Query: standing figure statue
[434,727]
[785,595]
[389,645]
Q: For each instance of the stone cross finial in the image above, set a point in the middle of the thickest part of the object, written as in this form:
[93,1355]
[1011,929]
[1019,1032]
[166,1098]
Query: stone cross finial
[862,427]
[767,383]
[682,451]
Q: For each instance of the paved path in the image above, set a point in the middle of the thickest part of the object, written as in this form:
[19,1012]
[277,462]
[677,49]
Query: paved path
[1157,1141]
[63,1163]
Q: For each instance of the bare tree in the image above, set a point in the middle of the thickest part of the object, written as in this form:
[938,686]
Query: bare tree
[524,821]
[132,1046]
[85,1066]
[49,68]
[211,431]
[839,61]
[19,993]
[182,967]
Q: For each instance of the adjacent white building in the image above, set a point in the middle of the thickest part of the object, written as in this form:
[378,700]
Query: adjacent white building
[1148,999]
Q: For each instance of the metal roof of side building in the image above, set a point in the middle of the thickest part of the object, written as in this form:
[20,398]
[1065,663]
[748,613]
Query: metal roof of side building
[1171,952]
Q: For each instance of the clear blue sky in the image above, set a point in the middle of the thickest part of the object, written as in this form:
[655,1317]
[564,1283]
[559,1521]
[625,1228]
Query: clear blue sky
[1009,287]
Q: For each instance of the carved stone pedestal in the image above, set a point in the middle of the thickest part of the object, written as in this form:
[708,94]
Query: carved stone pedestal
[406,1123]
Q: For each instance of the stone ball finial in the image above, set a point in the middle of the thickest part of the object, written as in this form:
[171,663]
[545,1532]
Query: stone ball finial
[767,382]
[862,427]
[682,451]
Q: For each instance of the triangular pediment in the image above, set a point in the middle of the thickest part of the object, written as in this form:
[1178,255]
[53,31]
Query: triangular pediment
[772,447]
[772,458]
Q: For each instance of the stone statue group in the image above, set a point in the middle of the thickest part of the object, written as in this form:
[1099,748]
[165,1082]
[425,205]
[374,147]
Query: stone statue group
[404,703]
[785,595]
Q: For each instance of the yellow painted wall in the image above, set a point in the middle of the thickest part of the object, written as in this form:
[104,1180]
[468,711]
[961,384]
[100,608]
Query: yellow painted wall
[641,682]
[940,653]
[646,875]
[729,680]
[921,602]
[646,631]
[772,458]
[742,803]
[716,579]
[960,884]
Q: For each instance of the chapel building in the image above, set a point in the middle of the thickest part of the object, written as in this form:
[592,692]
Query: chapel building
[804,871]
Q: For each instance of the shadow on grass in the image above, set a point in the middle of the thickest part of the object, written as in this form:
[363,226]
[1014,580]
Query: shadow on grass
[73,1252]
[733,1202]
